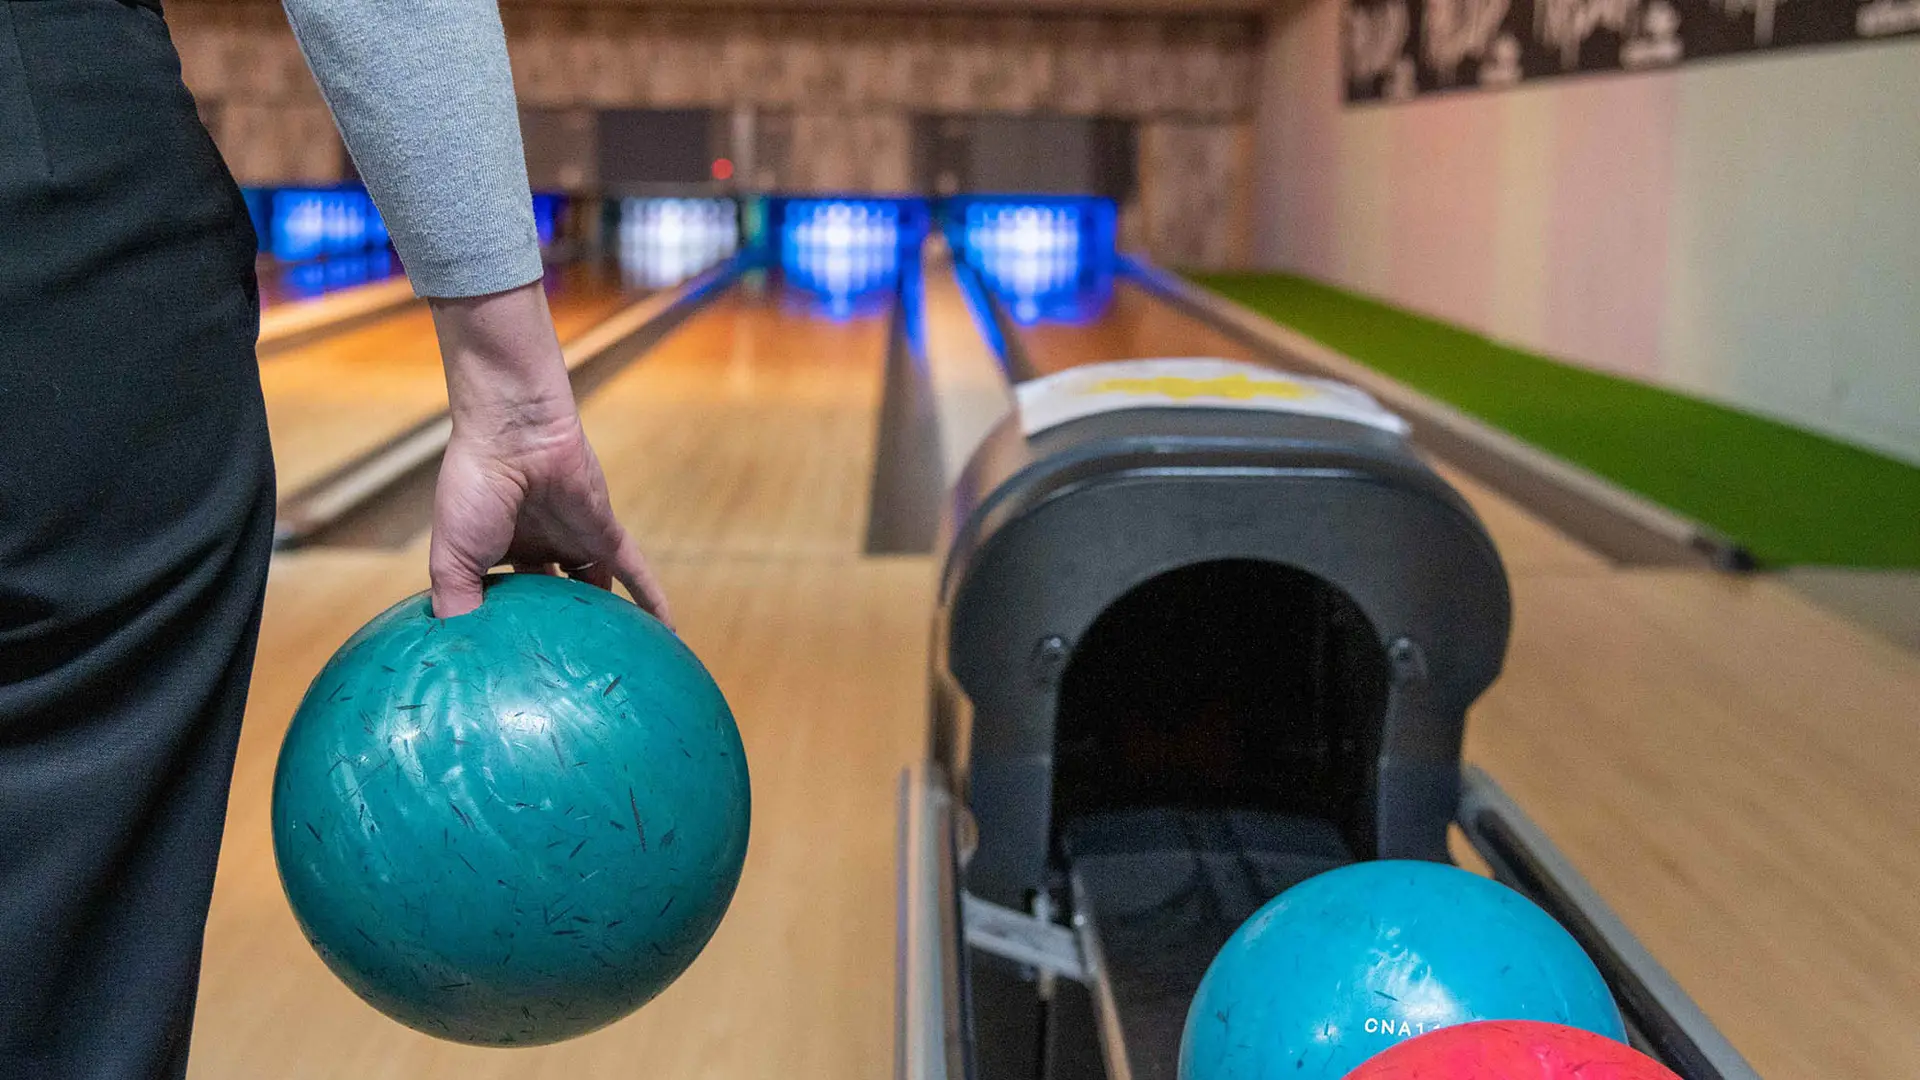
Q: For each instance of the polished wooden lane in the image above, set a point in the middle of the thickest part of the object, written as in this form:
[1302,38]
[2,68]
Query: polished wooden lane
[749,430]
[821,653]
[1134,326]
[333,400]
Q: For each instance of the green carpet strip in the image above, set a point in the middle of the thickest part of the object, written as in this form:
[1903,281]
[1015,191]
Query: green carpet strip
[1788,495]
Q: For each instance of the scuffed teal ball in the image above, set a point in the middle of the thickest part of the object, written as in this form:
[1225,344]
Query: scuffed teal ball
[517,825]
[1356,960]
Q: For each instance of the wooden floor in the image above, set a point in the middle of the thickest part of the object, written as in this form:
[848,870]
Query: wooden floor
[750,431]
[1733,767]
[1735,770]
[1134,327]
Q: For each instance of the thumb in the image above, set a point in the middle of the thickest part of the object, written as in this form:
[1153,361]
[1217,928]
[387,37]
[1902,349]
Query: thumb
[457,583]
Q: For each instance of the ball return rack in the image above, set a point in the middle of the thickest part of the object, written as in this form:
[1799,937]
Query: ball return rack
[1187,653]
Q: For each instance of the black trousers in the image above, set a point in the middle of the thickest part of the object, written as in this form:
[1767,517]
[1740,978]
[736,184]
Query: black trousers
[136,519]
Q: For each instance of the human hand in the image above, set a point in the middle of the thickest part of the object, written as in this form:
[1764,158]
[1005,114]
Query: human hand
[519,483]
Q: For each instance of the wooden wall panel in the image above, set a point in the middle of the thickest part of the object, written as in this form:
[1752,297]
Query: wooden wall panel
[1191,195]
[274,144]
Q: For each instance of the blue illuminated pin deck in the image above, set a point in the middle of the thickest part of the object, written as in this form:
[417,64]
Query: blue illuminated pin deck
[547,209]
[312,223]
[842,256]
[319,276]
[1049,258]
[333,237]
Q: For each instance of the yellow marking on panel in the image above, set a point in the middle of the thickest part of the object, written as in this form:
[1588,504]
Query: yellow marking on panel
[1232,387]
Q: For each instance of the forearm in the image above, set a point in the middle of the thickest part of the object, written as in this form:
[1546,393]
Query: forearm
[423,95]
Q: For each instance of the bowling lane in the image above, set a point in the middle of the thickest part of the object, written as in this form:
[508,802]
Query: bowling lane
[340,397]
[284,325]
[1133,326]
[749,430]
[1137,326]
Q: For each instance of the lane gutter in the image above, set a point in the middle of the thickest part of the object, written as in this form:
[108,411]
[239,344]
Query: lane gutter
[906,493]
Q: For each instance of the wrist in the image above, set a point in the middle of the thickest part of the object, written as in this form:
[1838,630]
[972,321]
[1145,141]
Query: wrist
[510,423]
[505,371]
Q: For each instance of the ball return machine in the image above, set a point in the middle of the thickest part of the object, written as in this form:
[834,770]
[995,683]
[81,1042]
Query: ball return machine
[1202,632]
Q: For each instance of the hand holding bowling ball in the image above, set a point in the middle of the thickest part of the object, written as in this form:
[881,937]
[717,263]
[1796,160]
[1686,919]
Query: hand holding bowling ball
[1512,1050]
[1351,962]
[518,482]
[514,826]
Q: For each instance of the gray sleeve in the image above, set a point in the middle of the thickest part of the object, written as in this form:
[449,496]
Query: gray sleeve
[423,96]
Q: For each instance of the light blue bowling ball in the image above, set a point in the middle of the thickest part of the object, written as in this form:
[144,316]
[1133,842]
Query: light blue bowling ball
[1355,960]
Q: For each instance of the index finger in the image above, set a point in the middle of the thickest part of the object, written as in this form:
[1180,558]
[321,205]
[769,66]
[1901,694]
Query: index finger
[632,570]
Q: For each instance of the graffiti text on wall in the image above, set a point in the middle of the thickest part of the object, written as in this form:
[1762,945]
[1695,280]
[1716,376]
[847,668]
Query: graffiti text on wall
[1396,49]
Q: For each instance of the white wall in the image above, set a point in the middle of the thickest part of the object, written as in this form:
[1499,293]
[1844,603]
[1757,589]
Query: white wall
[1747,230]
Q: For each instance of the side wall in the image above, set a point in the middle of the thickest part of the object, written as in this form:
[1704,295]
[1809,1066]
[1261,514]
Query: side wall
[1745,230]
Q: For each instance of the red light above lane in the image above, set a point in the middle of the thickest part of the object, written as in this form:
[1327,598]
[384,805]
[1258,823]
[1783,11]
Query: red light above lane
[722,168]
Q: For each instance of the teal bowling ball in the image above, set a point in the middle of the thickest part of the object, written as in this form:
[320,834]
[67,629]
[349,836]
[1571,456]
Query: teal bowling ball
[514,826]
[1351,962]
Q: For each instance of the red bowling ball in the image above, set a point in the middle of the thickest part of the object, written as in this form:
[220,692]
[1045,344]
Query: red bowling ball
[1511,1050]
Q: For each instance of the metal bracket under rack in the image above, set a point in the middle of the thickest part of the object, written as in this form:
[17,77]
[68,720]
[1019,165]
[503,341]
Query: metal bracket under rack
[1037,942]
